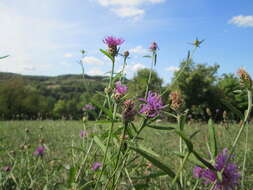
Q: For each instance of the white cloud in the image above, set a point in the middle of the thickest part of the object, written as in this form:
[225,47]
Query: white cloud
[68,55]
[92,60]
[127,8]
[138,50]
[135,67]
[128,12]
[172,69]
[242,21]
[95,71]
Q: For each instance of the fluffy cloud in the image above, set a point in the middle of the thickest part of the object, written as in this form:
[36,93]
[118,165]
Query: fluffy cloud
[135,67]
[138,50]
[172,69]
[92,60]
[242,21]
[127,8]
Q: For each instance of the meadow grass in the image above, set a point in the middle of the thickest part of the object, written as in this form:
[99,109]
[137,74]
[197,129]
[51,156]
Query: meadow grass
[65,150]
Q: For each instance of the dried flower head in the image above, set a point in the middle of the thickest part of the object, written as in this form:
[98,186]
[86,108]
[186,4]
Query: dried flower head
[96,166]
[40,151]
[153,105]
[112,44]
[176,100]
[129,111]
[245,78]
[153,47]
[230,175]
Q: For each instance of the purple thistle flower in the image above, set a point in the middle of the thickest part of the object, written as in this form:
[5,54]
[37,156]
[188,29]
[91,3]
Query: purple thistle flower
[111,41]
[153,46]
[96,166]
[88,107]
[83,133]
[6,168]
[40,151]
[120,89]
[153,105]
[230,175]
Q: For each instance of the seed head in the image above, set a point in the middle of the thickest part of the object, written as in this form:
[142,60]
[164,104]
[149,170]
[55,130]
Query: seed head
[129,111]
[176,100]
[245,78]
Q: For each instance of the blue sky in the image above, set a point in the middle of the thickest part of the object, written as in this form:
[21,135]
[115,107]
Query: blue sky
[45,37]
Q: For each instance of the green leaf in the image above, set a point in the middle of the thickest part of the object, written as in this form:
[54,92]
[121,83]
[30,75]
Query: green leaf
[194,134]
[186,140]
[191,159]
[149,151]
[232,108]
[107,55]
[71,176]
[147,56]
[4,56]
[155,59]
[155,162]
[203,161]
[160,127]
[212,138]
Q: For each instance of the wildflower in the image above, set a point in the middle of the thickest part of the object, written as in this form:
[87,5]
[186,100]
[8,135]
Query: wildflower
[88,107]
[6,168]
[96,166]
[153,47]
[40,151]
[176,100]
[126,54]
[129,111]
[83,133]
[230,175]
[153,105]
[112,44]
[120,90]
[245,78]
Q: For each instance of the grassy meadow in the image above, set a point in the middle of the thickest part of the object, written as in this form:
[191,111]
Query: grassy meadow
[66,153]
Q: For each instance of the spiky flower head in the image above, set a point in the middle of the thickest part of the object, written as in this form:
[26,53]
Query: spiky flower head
[230,175]
[40,151]
[176,100]
[120,90]
[153,105]
[7,168]
[153,47]
[88,107]
[245,78]
[113,43]
[83,134]
[129,111]
[96,166]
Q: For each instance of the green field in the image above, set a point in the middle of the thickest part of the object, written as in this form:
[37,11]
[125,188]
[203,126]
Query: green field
[66,150]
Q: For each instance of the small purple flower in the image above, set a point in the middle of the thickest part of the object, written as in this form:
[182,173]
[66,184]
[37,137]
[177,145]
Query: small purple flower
[230,175]
[112,41]
[120,89]
[153,46]
[153,105]
[96,166]
[6,168]
[83,133]
[88,107]
[40,151]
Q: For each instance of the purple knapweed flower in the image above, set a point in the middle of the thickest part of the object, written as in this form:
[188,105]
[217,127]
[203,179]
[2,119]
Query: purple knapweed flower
[153,105]
[153,46]
[40,151]
[112,42]
[96,166]
[83,133]
[6,168]
[120,89]
[88,107]
[230,175]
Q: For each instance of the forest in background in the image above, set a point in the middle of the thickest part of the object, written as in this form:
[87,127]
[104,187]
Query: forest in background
[206,94]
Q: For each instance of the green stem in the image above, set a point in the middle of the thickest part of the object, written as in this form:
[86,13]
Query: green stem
[150,74]
[245,157]
[107,145]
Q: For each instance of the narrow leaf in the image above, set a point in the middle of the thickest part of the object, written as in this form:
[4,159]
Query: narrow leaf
[107,55]
[212,138]
[160,127]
